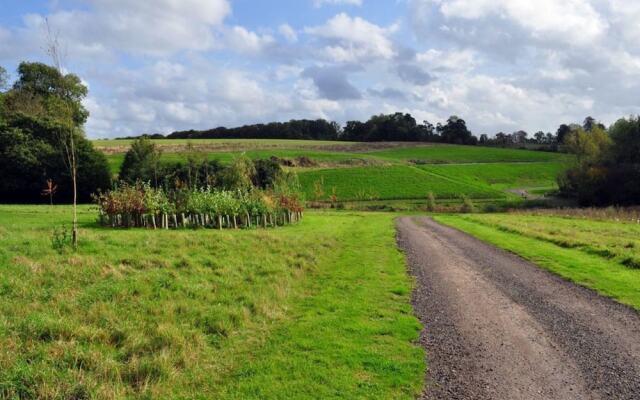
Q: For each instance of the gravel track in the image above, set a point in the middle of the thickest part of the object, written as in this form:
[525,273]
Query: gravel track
[498,327]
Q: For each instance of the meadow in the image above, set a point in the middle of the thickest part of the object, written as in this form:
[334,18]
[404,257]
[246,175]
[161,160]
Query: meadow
[302,311]
[365,172]
[603,255]
[395,182]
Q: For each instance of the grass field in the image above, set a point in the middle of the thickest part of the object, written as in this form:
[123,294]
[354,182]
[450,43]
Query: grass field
[466,154]
[316,310]
[602,255]
[364,172]
[503,176]
[389,183]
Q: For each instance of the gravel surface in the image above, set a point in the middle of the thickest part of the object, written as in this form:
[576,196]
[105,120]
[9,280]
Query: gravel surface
[498,327]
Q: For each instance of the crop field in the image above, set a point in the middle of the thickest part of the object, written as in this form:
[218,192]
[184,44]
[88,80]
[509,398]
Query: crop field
[503,176]
[305,311]
[388,183]
[465,154]
[600,254]
[387,171]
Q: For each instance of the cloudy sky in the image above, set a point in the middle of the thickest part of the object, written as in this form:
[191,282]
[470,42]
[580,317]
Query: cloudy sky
[165,65]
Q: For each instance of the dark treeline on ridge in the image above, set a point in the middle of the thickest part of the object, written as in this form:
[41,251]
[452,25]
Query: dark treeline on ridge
[397,127]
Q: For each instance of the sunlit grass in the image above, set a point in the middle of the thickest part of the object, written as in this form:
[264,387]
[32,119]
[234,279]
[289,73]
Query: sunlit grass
[602,255]
[317,308]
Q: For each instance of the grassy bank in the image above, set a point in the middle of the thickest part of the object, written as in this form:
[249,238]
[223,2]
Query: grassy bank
[602,255]
[319,309]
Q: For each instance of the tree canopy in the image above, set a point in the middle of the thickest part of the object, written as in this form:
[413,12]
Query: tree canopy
[607,171]
[34,112]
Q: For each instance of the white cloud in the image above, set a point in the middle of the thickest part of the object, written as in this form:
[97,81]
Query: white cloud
[288,33]
[354,39]
[320,3]
[241,40]
[567,20]
[156,28]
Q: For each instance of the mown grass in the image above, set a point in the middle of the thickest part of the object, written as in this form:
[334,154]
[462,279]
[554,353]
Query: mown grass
[388,183]
[602,255]
[466,154]
[319,309]
[504,176]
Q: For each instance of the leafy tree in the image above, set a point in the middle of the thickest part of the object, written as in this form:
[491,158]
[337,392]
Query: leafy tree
[240,174]
[455,131]
[4,78]
[41,138]
[141,162]
[608,168]
[267,173]
[562,132]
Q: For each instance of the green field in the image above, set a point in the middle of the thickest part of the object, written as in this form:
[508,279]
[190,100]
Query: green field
[242,142]
[364,172]
[316,310]
[503,176]
[602,255]
[389,183]
[466,154]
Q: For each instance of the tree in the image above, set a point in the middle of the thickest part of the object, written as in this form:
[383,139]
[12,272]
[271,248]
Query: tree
[71,115]
[540,137]
[562,132]
[519,137]
[240,174]
[4,79]
[455,131]
[141,162]
[41,138]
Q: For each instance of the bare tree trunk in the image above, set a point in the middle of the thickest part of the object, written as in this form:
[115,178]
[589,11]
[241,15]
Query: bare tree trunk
[74,178]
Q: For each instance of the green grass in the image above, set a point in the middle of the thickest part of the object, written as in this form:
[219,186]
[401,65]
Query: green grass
[602,255]
[503,176]
[466,154]
[389,183]
[450,171]
[319,309]
[226,157]
[242,142]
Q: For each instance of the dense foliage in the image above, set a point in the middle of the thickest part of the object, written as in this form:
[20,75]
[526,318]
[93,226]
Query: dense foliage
[607,171]
[141,205]
[142,164]
[40,108]
[295,129]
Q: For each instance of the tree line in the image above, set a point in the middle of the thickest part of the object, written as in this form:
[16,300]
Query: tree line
[607,167]
[396,127]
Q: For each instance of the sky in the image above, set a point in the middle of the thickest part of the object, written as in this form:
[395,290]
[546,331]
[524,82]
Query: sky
[156,66]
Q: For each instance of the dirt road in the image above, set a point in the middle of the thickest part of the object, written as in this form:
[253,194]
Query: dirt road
[498,327]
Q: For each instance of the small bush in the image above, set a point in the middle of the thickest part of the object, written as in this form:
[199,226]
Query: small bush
[61,238]
[431,202]
[467,205]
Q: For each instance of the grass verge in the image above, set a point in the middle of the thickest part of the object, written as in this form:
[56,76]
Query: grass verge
[607,275]
[319,309]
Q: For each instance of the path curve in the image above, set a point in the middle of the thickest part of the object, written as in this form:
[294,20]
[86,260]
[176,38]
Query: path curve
[498,327]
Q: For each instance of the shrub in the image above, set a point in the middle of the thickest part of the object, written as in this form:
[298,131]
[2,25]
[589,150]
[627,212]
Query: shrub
[141,205]
[431,202]
[467,205]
